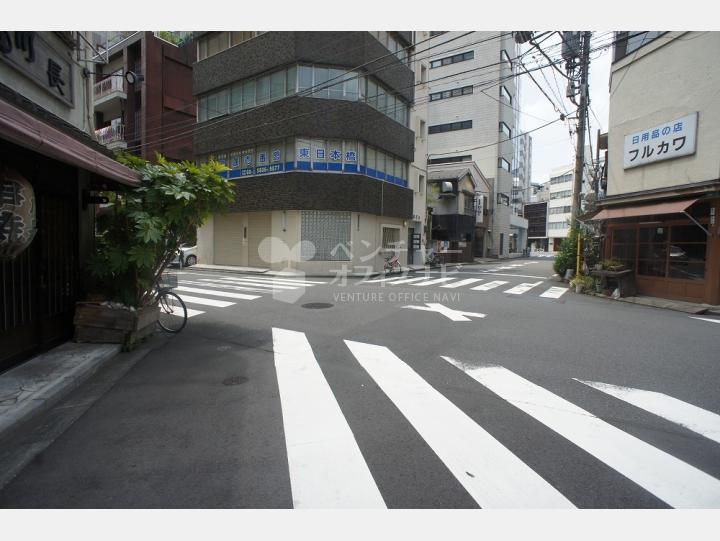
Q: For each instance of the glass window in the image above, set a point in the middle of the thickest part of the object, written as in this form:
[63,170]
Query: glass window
[372,93]
[235,160]
[202,109]
[336,77]
[319,151]
[218,42]
[351,88]
[350,152]
[303,150]
[291,86]
[390,165]
[371,157]
[263,90]
[202,49]
[381,100]
[305,78]
[248,158]
[248,94]
[505,94]
[320,79]
[262,156]
[236,98]
[505,129]
[327,234]
[687,252]
[361,154]
[380,161]
[276,152]
[277,85]
[236,38]
[290,150]
[391,105]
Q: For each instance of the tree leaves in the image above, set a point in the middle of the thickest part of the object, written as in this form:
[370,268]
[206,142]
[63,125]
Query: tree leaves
[143,230]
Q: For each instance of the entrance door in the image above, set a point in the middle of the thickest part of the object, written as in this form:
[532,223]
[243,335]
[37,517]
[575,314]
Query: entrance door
[410,246]
[39,287]
[259,227]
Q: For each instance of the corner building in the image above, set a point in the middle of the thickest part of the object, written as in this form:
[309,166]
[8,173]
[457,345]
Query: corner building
[313,127]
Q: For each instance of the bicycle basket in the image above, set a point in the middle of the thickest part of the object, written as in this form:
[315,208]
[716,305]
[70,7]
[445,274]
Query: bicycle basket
[168,280]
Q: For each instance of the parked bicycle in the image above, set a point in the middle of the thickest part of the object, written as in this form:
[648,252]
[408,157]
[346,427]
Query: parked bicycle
[173,312]
[392,263]
[432,259]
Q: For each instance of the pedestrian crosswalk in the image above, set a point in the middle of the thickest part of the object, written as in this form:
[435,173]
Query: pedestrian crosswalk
[202,290]
[471,284]
[328,467]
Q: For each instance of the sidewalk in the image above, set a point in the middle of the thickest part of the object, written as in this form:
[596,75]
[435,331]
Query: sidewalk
[36,385]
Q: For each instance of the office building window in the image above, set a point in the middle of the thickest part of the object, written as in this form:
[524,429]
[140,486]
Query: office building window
[454,59]
[325,235]
[452,126]
[320,81]
[216,42]
[455,92]
[504,57]
[505,129]
[390,238]
[451,159]
[504,94]
[504,164]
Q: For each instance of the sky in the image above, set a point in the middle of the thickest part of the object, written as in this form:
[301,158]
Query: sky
[552,146]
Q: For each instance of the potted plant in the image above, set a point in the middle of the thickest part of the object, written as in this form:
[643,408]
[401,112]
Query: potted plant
[137,236]
[582,283]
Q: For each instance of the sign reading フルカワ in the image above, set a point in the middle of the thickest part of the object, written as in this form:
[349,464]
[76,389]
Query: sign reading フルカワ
[663,142]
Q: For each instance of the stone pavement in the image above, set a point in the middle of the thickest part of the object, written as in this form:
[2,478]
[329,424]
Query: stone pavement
[37,384]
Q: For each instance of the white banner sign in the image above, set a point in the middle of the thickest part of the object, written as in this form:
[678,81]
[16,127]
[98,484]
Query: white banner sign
[663,142]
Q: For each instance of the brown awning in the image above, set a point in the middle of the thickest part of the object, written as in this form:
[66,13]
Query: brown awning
[668,207]
[27,131]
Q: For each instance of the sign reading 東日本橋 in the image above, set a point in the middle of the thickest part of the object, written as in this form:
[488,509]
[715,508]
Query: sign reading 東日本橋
[663,142]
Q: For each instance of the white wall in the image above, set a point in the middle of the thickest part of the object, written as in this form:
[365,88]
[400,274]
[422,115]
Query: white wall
[673,76]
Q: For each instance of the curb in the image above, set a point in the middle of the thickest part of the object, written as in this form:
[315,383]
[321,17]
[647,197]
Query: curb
[38,384]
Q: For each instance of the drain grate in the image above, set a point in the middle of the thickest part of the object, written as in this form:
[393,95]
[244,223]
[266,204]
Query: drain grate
[317,305]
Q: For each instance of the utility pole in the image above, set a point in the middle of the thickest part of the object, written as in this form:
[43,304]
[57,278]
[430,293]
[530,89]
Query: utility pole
[582,115]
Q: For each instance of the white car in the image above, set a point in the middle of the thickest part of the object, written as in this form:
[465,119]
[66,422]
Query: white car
[187,256]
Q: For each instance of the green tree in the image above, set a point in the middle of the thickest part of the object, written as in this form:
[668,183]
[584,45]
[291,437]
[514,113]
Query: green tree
[567,256]
[139,233]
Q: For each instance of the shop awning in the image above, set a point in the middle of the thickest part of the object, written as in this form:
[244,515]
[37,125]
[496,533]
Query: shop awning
[27,131]
[668,207]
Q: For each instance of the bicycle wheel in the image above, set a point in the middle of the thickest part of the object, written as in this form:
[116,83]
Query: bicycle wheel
[173,313]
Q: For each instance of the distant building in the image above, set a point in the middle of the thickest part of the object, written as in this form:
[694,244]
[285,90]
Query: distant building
[457,197]
[537,217]
[142,92]
[468,122]
[661,213]
[315,129]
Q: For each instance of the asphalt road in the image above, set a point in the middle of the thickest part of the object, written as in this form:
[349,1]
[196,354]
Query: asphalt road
[487,397]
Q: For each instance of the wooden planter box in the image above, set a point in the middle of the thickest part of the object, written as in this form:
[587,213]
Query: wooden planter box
[96,323]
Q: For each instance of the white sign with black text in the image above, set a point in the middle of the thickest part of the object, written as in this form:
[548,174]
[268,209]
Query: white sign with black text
[663,142]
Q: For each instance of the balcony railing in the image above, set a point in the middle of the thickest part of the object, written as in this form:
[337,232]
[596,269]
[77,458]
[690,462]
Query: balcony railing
[110,134]
[113,83]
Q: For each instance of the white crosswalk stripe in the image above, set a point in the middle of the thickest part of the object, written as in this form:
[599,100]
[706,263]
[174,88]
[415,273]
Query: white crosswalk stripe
[251,283]
[207,302]
[670,479]
[691,417]
[217,293]
[432,282]
[232,287]
[461,283]
[388,279]
[190,312]
[488,286]
[327,469]
[555,292]
[522,288]
[492,474]
[408,280]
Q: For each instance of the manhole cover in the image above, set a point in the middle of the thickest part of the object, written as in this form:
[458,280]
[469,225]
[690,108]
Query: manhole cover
[234,380]
[317,305]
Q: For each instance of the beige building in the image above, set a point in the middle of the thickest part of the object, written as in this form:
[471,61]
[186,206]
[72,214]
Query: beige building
[662,200]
